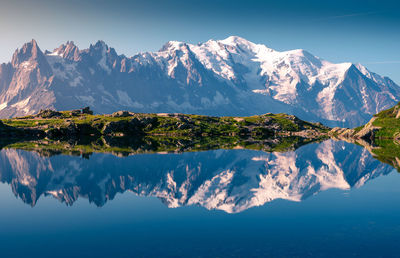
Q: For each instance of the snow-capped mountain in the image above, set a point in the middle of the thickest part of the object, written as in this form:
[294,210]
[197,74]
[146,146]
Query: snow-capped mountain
[219,77]
[228,180]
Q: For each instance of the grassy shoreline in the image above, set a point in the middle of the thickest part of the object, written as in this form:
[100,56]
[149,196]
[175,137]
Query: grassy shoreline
[55,124]
[124,133]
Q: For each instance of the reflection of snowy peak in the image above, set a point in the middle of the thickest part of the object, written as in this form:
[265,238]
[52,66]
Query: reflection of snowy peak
[291,176]
[229,180]
[219,77]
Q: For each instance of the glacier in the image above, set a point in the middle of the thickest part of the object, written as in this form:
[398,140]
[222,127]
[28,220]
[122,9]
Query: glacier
[232,77]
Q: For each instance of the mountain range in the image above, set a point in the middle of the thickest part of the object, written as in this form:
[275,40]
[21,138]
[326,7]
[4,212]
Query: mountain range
[227,180]
[219,77]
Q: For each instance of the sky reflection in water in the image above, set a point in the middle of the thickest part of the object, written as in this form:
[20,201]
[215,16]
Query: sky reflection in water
[326,199]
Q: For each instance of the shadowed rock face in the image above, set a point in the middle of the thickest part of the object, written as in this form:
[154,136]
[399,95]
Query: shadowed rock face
[228,180]
[226,77]
[26,82]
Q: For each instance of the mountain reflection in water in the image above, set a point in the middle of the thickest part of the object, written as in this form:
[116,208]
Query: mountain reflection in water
[230,180]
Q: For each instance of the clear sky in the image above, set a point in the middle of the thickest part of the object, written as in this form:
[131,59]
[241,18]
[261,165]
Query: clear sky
[356,31]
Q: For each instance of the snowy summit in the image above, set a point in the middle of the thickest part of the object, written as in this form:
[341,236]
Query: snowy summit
[219,77]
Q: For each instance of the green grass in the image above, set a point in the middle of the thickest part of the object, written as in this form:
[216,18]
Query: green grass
[204,125]
[390,126]
[154,133]
[387,151]
[387,113]
[386,121]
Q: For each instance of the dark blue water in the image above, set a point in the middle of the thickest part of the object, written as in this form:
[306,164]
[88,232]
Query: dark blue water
[327,200]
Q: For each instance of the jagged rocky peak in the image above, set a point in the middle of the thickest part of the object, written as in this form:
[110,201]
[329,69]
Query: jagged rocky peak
[105,56]
[99,46]
[68,50]
[232,76]
[30,59]
[29,51]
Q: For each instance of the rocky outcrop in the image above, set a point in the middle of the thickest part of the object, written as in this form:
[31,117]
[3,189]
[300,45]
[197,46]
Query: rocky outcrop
[122,114]
[48,113]
[368,131]
[342,132]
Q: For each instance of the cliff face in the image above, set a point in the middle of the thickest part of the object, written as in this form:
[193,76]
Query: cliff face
[25,82]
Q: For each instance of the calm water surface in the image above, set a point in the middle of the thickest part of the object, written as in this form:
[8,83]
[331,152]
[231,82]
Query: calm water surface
[328,199]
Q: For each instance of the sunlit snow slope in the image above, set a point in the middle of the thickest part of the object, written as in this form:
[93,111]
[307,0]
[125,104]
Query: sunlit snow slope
[219,77]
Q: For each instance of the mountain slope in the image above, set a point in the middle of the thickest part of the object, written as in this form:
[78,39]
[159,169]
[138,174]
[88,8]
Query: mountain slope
[219,77]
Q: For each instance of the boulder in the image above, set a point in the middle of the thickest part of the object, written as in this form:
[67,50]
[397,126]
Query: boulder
[48,113]
[122,114]
[86,110]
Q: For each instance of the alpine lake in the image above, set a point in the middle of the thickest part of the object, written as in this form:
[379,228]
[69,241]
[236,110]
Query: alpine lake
[205,197]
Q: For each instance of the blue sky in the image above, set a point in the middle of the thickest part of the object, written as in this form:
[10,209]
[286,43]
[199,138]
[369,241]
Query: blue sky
[357,31]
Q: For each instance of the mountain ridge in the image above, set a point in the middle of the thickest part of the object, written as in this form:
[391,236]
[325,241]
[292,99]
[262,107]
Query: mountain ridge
[218,77]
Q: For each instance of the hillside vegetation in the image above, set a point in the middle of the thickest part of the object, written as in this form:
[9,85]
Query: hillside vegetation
[384,125]
[77,123]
